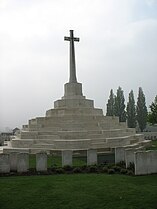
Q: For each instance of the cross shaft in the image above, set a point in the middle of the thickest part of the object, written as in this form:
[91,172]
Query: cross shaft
[72,78]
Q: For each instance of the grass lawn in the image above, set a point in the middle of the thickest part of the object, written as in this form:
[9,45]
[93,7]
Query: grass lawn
[78,191]
[154,145]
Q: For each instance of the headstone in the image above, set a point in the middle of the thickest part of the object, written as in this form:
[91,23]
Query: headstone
[41,161]
[66,157]
[22,162]
[13,161]
[91,156]
[4,163]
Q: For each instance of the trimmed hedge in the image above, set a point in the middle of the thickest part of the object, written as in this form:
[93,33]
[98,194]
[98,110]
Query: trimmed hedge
[101,168]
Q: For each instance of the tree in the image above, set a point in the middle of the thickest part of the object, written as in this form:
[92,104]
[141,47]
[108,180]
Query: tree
[141,110]
[119,109]
[110,104]
[152,116]
[131,111]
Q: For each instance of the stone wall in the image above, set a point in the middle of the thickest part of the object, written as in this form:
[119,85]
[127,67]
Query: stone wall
[145,162]
[4,163]
[150,135]
[120,152]
[19,162]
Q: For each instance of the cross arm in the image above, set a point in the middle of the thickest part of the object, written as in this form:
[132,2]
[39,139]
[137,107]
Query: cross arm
[76,39]
[66,38]
[69,38]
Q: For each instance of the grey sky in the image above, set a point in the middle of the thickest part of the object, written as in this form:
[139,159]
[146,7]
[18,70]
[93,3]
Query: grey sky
[118,47]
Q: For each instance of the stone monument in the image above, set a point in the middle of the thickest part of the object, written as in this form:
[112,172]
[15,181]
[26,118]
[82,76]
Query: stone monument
[73,123]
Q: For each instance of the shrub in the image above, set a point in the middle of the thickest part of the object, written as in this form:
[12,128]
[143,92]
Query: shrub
[116,168]
[59,170]
[92,169]
[77,170]
[111,171]
[53,168]
[131,167]
[123,171]
[68,168]
[130,173]
[32,170]
[102,165]
[121,164]
[110,166]
[105,170]
[84,167]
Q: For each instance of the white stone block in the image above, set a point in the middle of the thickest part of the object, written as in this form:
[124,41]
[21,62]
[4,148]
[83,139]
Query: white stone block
[91,156]
[4,163]
[22,162]
[66,157]
[13,161]
[146,162]
[140,163]
[119,154]
[151,161]
[72,144]
[41,161]
[129,156]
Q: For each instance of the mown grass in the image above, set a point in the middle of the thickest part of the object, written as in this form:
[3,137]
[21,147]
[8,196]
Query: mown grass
[78,191]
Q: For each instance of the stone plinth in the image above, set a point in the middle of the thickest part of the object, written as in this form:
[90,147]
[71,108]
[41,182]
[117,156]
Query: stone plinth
[73,103]
[119,154]
[91,157]
[67,157]
[22,162]
[129,156]
[41,161]
[4,163]
[73,90]
[13,161]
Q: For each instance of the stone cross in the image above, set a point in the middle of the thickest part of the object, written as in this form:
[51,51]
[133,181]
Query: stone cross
[72,57]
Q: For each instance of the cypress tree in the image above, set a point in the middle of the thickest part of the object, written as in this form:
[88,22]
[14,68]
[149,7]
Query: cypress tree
[141,110]
[120,105]
[131,111]
[110,104]
[152,116]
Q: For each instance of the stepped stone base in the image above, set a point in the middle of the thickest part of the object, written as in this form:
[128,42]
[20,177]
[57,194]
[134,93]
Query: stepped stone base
[73,124]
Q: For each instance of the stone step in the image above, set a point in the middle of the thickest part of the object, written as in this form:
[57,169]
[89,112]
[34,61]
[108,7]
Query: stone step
[43,146]
[48,136]
[74,119]
[146,143]
[99,145]
[73,126]
[1,150]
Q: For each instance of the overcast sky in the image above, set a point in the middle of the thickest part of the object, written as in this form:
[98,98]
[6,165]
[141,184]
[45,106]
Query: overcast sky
[118,47]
